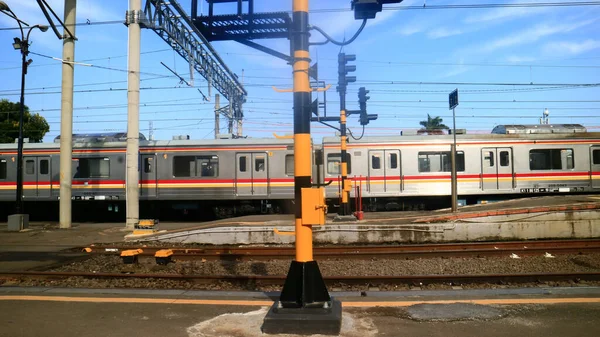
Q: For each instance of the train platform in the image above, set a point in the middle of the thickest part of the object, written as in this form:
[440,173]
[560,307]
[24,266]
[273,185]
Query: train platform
[180,313]
[550,217]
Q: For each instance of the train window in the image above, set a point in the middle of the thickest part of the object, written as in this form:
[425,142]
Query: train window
[375,162]
[148,165]
[44,166]
[504,158]
[334,165]
[551,159]
[289,164]
[393,160]
[489,157]
[440,161]
[596,157]
[184,166]
[569,158]
[242,164]
[29,166]
[93,168]
[3,169]
[209,166]
[259,164]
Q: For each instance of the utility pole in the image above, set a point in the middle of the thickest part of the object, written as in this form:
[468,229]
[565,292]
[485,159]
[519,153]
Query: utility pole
[217,107]
[304,295]
[343,81]
[453,103]
[230,120]
[66,115]
[133,17]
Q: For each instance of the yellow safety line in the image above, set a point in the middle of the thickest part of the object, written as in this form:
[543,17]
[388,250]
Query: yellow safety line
[268,303]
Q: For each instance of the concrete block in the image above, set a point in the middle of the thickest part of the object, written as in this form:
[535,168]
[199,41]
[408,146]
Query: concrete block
[17,222]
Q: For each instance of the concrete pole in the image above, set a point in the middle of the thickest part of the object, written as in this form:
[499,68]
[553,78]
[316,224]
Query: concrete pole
[133,115]
[453,168]
[230,119]
[217,107]
[66,116]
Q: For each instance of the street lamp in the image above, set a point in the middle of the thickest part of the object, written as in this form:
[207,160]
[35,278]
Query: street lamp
[21,44]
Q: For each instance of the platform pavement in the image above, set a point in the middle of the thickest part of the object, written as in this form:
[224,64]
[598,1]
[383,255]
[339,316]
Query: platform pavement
[112,312]
[45,236]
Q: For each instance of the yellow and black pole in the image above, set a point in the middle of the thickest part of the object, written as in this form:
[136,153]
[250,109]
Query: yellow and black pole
[345,205]
[302,113]
[304,306]
[343,81]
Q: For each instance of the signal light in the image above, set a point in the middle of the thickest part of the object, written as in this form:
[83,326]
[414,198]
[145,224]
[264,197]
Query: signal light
[367,9]
[343,70]
[362,101]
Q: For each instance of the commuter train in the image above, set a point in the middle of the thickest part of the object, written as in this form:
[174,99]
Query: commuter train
[228,177]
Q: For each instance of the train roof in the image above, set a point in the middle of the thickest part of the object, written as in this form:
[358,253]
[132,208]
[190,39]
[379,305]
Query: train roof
[538,128]
[465,137]
[94,143]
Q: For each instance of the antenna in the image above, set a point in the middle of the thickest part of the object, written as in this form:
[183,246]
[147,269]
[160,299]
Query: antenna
[545,119]
[150,131]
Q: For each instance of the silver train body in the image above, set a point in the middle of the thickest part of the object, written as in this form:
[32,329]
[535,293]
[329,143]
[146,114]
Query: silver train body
[236,176]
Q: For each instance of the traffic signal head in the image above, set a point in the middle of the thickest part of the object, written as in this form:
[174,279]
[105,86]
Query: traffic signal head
[344,69]
[363,98]
[367,9]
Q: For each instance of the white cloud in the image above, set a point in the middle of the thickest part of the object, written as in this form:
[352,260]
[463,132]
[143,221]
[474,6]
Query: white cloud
[573,48]
[506,14]
[456,70]
[30,12]
[439,33]
[520,59]
[532,35]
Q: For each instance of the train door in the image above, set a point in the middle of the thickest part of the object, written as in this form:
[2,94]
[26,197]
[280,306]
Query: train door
[36,177]
[393,171]
[595,166]
[497,168]
[252,173]
[376,180]
[148,176]
[384,171]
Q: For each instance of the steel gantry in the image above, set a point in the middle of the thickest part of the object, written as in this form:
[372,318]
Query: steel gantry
[170,21]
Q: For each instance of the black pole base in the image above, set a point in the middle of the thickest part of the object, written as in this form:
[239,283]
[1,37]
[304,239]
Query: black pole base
[304,306]
[326,320]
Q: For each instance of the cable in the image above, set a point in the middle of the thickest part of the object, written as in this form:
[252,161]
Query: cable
[361,135]
[330,39]
[87,23]
[472,6]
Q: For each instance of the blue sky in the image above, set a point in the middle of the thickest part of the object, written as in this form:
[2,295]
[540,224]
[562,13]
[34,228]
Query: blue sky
[542,45]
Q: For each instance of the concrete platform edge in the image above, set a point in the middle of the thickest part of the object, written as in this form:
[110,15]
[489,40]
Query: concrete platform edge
[342,295]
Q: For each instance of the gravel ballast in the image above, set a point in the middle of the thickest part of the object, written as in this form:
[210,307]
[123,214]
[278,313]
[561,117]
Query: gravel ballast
[332,267]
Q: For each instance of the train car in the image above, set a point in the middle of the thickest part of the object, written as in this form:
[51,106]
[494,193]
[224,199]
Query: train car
[414,172]
[228,177]
[224,177]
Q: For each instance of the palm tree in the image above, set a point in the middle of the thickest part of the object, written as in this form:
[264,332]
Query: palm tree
[433,124]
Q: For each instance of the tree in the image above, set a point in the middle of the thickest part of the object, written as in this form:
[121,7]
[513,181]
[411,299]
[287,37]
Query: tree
[432,124]
[34,126]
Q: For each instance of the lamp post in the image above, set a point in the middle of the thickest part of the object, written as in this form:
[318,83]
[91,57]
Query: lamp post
[21,44]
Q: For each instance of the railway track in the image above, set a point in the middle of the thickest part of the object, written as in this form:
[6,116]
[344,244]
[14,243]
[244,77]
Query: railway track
[479,249]
[260,280]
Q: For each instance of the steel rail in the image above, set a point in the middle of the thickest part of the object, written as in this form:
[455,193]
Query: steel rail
[330,280]
[360,252]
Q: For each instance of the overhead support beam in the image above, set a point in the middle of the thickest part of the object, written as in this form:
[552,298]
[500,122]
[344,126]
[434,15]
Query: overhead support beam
[241,26]
[174,26]
[267,50]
